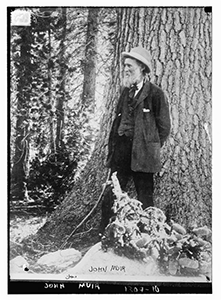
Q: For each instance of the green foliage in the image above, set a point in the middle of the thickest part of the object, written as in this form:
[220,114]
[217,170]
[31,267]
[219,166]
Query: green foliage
[51,178]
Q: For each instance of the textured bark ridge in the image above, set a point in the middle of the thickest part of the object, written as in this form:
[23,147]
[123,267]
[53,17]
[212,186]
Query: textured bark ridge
[182,67]
[179,40]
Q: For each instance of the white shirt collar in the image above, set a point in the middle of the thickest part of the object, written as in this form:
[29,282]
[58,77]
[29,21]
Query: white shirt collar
[139,87]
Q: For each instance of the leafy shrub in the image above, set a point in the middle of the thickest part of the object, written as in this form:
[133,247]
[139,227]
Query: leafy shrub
[51,178]
[146,235]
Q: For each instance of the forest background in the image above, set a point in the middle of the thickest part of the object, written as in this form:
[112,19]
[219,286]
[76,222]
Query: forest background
[65,80]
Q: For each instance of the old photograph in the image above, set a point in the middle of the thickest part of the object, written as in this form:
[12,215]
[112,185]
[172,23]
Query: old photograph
[110,150]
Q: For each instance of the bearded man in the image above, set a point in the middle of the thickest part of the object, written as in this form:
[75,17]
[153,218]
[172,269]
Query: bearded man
[140,129]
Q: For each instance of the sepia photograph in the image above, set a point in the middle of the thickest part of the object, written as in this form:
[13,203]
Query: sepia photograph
[110,150]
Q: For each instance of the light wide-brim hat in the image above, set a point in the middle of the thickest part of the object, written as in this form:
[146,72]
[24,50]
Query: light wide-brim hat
[141,54]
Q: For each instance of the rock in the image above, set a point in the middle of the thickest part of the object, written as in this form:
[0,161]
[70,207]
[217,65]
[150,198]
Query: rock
[186,262]
[19,265]
[178,228]
[143,241]
[173,267]
[203,232]
[60,259]
[98,262]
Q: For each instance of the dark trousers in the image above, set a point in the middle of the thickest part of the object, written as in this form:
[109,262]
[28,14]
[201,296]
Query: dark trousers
[143,182]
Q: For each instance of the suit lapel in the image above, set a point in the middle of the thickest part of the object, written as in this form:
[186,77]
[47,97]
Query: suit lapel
[144,93]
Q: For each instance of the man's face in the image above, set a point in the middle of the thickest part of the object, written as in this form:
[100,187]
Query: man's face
[132,72]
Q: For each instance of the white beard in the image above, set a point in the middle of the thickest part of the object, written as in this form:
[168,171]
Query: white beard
[130,79]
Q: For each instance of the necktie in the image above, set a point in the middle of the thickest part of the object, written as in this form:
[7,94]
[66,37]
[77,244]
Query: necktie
[132,91]
[132,101]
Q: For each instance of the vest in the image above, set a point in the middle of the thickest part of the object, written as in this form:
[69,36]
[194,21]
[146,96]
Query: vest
[127,119]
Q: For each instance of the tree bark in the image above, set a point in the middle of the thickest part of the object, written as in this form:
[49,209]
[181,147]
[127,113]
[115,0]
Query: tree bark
[50,104]
[89,69]
[61,95]
[179,40]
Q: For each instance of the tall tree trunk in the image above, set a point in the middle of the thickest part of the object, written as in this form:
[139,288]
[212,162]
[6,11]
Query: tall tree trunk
[61,95]
[89,70]
[23,98]
[51,122]
[180,43]
[179,40]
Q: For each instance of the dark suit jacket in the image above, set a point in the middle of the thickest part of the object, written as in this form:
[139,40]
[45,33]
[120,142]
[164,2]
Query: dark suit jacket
[152,127]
